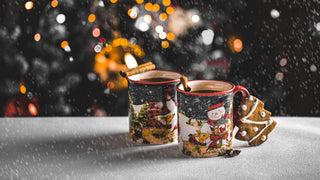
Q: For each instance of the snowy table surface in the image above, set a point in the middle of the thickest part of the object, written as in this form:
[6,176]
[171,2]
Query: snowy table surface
[100,148]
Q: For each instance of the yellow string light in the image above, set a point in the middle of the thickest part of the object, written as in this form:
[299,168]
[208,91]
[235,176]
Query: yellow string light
[113,1]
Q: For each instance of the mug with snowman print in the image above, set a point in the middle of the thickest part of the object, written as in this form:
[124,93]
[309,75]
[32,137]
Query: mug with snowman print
[153,107]
[206,117]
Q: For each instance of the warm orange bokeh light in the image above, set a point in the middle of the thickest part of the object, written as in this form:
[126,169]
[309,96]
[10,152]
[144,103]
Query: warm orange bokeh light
[133,14]
[156,7]
[37,37]
[54,3]
[165,44]
[110,85]
[149,6]
[166,2]
[139,1]
[124,42]
[163,16]
[28,5]
[23,89]
[237,45]
[91,18]
[170,36]
[113,1]
[96,32]
[116,42]
[279,76]
[108,48]
[32,109]
[64,44]
[169,10]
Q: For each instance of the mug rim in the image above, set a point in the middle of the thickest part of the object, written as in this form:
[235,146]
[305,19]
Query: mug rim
[160,82]
[207,94]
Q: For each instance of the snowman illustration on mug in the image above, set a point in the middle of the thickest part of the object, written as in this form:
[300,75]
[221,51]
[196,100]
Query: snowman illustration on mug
[218,125]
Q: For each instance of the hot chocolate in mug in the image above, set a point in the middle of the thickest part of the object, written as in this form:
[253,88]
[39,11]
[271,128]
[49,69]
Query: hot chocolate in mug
[206,117]
[153,107]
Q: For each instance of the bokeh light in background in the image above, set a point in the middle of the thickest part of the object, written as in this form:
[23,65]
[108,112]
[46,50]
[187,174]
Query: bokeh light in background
[237,45]
[70,50]
[279,76]
[61,18]
[91,18]
[23,89]
[170,36]
[169,10]
[130,60]
[195,18]
[54,3]
[28,5]
[164,44]
[163,16]
[64,44]
[139,1]
[156,7]
[283,62]
[37,37]
[96,32]
[166,2]
[32,109]
[148,6]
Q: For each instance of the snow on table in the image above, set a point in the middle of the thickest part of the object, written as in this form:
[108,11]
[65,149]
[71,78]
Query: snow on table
[100,148]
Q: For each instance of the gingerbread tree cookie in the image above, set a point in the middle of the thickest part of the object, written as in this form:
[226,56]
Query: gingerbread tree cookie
[254,122]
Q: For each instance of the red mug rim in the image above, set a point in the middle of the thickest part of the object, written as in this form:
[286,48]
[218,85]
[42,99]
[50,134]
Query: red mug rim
[161,82]
[207,94]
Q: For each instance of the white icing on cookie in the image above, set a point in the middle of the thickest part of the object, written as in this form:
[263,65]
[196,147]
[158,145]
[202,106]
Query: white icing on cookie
[246,120]
[267,125]
[263,138]
[263,114]
[244,107]
[255,129]
[250,98]
[243,133]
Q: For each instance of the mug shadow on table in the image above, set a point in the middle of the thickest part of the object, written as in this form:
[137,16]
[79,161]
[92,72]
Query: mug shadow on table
[104,148]
[121,146]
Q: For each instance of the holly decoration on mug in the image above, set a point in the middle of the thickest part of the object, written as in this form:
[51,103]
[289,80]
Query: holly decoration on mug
[254,122]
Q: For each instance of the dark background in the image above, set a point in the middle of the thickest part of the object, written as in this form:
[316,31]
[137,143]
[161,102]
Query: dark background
[278,62]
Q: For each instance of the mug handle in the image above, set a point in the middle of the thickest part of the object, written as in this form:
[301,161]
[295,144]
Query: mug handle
[245,93]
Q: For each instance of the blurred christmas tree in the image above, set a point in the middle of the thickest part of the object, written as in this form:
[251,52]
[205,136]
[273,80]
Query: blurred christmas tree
[47,53]
[62,57]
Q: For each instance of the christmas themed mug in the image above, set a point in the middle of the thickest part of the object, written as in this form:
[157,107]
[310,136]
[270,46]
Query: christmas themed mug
[206,117]
[153,106]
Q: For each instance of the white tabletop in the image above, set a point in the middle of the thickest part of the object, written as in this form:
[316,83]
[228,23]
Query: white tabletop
[100,148]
